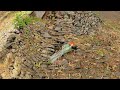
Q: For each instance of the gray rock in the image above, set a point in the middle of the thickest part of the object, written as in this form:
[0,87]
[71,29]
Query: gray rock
[50,49]
[57,28]
[44,51]
[70,12]
[11,38]
[8,45]
[13,50]
[44,55]
[35,59]
[44,66]
[46,35]
[62,12]
[26,63]
[39,14]
[66,17]
[50,46]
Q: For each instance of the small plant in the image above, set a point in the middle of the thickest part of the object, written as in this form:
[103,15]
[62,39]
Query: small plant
[37,64]
[21,22]
[100,52]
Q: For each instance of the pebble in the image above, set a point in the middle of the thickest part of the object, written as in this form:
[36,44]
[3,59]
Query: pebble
[66,17]
[44,66]
[50,46]
[44,51]
[27,76]
[11,38]
[13,50]
[35,68]
[71,12]
[50,49]
[44,55]
[33,58]
[64,62]
[57,28]
[78,67]
[46,35]
[26,63]
[8,46]
[51,27]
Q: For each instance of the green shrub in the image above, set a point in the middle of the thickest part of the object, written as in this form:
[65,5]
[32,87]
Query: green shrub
[22,19]
[21,22]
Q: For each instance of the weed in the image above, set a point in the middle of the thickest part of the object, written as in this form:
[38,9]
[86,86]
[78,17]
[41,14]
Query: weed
[21,22]
[37,64]
[100,52]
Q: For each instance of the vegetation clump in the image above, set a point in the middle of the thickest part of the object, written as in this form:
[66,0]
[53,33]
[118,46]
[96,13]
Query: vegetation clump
[22,22]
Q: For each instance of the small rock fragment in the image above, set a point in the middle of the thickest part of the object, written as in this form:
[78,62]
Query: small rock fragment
[46,35]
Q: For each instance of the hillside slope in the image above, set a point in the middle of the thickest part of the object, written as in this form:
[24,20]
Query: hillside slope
[97,54]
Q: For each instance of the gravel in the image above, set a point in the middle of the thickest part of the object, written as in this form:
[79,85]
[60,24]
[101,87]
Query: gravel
[83,22]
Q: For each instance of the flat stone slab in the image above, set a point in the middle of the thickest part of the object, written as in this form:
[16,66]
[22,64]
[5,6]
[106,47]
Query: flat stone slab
[39,14]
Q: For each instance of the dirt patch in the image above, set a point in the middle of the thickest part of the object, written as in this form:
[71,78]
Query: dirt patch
[109,15]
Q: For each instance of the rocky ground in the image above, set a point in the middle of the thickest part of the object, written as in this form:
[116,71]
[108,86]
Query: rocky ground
[27,50]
